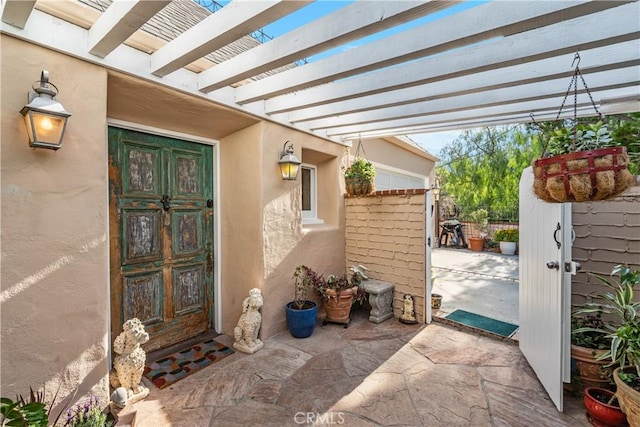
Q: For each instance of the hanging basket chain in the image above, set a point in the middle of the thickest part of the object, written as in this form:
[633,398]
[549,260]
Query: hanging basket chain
[360,150]
[573,84]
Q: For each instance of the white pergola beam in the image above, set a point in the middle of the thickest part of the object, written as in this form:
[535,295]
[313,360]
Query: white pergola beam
[610,79]
[121,19]
[494,112]
[17,12]
[461,29]
[232,22]
[351,22]
[563,38]
[594,60]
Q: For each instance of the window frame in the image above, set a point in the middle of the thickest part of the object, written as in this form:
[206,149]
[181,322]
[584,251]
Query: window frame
[310,216]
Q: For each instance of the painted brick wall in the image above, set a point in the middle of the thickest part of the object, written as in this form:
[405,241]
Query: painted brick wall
[386,233]
[607,234]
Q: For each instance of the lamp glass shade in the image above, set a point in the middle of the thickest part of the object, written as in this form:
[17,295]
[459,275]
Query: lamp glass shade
[289,170]
[46,120]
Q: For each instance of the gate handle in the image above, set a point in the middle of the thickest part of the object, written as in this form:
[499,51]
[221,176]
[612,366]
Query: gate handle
[555,235]
[553,264]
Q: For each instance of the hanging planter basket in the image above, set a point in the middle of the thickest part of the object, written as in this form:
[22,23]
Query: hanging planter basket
[359,177]
[593,174]
[582,175]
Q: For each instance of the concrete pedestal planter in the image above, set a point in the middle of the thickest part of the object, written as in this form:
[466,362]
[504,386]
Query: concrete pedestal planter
[629,399]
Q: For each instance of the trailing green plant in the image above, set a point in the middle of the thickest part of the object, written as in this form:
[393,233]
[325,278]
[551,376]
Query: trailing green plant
[360,169]
[480,217]
[624,328]
[507,235]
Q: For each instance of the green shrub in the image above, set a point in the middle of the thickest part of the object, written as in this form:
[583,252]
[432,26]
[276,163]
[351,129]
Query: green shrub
[506,235]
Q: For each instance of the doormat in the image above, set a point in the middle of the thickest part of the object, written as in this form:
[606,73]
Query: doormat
[481,322]
[176,366]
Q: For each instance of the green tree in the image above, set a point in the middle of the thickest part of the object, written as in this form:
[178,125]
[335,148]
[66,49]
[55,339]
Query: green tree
[482,168]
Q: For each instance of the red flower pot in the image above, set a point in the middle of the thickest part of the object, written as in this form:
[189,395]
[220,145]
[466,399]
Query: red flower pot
[601,413]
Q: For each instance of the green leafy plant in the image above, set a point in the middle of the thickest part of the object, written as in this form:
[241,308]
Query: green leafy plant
[507,235]
[480,218]
[360,169]
[589,339]
[27,412]
[624,329]
[579,137]
[304,280]
[87,414]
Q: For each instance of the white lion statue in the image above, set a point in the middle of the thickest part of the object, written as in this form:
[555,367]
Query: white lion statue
[130,360]
[246,332]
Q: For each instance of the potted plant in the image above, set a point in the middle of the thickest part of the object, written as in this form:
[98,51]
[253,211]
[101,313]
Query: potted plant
[301,312]
[359,177]
[581,162]
[602,408]
[480,218]
[624,333]
[337,293]
[508,239]
[586,347]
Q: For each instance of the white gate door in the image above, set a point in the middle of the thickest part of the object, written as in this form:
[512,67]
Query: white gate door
[430,206]
[545,287]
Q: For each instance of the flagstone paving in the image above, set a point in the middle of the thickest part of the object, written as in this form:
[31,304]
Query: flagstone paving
[387,374]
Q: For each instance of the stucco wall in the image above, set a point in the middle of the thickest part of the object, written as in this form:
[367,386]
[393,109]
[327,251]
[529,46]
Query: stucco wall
[286,242]
[387,235]
[54,280]
[607,234]
[384,152]
[241,223]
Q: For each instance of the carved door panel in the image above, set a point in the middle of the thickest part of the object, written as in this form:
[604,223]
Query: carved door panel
[161,235]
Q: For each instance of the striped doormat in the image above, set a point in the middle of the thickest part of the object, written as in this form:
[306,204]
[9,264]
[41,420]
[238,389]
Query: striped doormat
[481,322]
[169,369]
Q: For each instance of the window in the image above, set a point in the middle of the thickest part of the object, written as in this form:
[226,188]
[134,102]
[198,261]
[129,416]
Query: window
[309,195]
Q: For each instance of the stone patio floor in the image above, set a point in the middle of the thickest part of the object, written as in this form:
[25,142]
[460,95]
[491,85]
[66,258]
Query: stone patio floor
[387,374]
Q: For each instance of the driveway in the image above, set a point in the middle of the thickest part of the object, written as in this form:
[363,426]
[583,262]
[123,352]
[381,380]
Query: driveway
[484,283]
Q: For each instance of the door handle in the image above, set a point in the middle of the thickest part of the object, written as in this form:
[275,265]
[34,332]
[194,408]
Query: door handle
[553,264]
[165,202]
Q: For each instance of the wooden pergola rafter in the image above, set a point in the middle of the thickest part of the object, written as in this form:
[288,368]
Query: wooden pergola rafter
[494,63]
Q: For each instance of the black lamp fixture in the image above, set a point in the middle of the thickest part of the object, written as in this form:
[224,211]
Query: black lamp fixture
[45,118]
[289,163]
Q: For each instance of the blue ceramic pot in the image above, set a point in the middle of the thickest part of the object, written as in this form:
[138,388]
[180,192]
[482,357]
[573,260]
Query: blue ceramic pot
[302,322]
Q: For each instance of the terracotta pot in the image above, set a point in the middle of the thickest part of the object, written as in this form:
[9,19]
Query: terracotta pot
[591,372]
[476,244]
[338,305]
[601,413]
[629,399]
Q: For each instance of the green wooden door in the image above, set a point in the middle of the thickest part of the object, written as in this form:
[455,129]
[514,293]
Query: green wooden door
[161,235]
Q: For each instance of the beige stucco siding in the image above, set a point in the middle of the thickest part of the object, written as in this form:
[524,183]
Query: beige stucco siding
[383,152]
[286,242]
[54,280]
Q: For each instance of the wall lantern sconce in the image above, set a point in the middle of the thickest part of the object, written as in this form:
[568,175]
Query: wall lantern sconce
[435,188]
[45,118]
[289,164]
